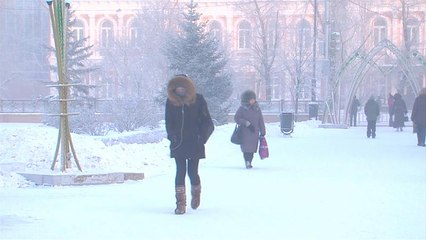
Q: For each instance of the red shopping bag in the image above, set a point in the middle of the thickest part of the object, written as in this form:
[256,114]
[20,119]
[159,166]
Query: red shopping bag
[263,148]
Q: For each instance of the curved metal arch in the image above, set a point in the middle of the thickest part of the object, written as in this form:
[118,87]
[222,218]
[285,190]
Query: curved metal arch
[362,70]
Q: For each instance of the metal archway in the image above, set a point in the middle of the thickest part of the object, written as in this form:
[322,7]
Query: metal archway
[368,60]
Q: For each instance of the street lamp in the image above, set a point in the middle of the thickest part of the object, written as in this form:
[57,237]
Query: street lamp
[313,105]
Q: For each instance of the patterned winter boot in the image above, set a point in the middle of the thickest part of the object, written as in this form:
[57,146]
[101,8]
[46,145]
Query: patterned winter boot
[196,195]
[180,200]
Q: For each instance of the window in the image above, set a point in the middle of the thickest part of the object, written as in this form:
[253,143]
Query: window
[78,30]
[304,34]
[244,35]
[379,31]
[216,30]
[133,34]
[412,33]
[107,35]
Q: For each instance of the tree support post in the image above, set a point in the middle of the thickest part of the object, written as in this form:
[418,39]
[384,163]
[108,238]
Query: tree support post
[59,15]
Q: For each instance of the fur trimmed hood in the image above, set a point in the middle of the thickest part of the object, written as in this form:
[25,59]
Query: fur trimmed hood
[181,81]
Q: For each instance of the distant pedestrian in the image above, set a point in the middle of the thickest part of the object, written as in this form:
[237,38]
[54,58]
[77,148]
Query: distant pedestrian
[391,101]
[372,112]
[418,116]
[400,111]
[188,126]
[250,117]
[354,111]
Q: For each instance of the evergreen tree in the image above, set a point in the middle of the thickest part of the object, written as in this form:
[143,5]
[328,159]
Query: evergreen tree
[194,52]
[78,53]
[77,67]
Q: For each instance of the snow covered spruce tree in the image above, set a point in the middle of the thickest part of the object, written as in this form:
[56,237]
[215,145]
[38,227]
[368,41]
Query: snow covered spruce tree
[78,53]
[193,51]
[135,66]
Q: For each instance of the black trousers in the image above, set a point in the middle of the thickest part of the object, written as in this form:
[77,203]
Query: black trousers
[353,119]
[371,128]
[421,132]
[248,156]
[181,167]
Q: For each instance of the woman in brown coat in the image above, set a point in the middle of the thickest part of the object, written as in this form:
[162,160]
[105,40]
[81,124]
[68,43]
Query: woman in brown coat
[188,126]
[250,118]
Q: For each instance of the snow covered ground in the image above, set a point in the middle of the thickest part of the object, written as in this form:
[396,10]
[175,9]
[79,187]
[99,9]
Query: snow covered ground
[318,184]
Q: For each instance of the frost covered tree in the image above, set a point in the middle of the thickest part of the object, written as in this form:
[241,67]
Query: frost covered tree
[267,37]
[193,51]
[136,67]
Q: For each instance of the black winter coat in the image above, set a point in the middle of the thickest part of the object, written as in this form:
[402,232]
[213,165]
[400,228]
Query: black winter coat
[399,109]
[371,110]
[187,128]
[418,115]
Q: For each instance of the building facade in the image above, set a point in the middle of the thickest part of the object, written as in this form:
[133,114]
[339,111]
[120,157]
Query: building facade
[237,27]
[287,49]
[24,41]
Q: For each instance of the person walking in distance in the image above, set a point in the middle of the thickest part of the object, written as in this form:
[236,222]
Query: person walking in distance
[372,112]
[418,116]
[250,117]
[354,111]
[188,127]
[391,101]
[400,110]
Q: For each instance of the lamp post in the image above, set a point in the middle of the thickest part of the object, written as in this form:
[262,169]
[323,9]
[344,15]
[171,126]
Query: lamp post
[59,17]
[313,105]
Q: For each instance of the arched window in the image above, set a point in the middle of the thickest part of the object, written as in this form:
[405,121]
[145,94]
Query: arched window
[380,30]
[304,34]
[107,34]
[244,35]
[133,34]
[216,30]
[78,30]
[412,32]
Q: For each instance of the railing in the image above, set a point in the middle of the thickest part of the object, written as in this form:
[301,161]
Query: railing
[104,106]
[22,106]
[274,107]
[99,106]
[278,106]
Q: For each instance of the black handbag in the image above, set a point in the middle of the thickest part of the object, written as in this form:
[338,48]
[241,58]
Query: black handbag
[236,135]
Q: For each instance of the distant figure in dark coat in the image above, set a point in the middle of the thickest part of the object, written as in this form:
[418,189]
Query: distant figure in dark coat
[400,110]
[188,126]
[418,116]
[250,117]
[372,112]
[354,111]
[391,101]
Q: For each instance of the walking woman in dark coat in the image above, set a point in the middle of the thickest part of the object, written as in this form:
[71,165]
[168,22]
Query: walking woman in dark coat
[418,116]
[399,109]
[250,117]
[372,112]
[188,126]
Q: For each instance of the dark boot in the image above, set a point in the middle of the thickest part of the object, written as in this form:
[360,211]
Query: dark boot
[196,195]
[180,200]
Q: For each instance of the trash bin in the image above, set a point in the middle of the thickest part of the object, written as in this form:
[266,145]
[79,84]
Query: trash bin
[313,110]
[287,122]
